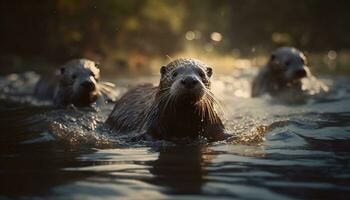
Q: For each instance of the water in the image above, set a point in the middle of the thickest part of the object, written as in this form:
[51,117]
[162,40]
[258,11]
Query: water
[284,151]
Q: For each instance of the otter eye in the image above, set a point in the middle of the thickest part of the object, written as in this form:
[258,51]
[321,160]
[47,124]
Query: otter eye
[74,76]
[209,71]
[174,74]
[62,70]
[97,65]
[201,74]
[162,70]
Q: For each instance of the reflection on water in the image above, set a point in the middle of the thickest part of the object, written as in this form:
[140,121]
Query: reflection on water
[283,152]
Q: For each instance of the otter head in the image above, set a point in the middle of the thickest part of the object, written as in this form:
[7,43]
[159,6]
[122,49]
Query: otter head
[80,77]
[288,65]
[186,79]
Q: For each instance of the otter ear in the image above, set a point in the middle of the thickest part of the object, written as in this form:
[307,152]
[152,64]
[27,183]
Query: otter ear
[273,62]
[62,70]
[304,58]
[162,70]
[209,71]
[97,65]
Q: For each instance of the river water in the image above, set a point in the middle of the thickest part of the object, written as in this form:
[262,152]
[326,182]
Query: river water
[285,151]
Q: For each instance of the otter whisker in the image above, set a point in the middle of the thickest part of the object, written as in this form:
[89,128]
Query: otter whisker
[108,84]
[107,91]
[209,107]
[174,100]
[173,108]
[203,109]
[172,104]
[199,108]
[170,58]
[104,88]
[202,105]
[163,98]
[167,100]
[164,89]
[213,99]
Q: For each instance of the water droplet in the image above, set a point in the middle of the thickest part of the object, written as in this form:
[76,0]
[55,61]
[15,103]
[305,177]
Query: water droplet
[190,35]
[332,55]
[215,36]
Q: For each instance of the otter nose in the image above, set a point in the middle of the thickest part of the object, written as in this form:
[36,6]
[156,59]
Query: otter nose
[300,73]
[189,81]
[88,85]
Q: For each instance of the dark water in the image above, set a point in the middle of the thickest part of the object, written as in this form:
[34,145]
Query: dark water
[286,152]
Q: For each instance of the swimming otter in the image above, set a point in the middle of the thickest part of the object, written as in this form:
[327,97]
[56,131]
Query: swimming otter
[182,105]
[77,82]
[282,75]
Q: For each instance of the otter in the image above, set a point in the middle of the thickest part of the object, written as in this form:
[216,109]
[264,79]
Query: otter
[282,75]
[181,106]
[77,82]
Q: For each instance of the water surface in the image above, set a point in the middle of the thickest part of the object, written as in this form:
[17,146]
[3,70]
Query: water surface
[286,151]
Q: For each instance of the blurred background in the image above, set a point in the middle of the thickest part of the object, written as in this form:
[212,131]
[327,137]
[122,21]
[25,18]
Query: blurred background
[138,36]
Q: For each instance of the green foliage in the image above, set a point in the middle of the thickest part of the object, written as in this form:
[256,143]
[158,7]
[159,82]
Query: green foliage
[57,30]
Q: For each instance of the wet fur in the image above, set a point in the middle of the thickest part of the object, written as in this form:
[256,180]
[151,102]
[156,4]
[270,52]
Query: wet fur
[64,90]
[161,115]
[267,82]
[272,78]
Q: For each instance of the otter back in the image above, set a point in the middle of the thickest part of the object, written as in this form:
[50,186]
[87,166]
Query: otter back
[46,87]
[131,110]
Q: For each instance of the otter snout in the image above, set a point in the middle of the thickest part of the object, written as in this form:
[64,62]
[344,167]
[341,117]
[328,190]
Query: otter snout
[88,85]
[296,73]
[187,88]
[300,73]
[189,82]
